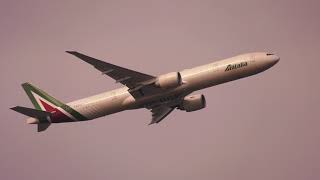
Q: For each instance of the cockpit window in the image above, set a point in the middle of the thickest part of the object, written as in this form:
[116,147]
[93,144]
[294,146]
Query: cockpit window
[269,54]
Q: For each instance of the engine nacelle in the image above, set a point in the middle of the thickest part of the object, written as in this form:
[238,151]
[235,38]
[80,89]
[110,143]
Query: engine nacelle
[170,80]
[193,103]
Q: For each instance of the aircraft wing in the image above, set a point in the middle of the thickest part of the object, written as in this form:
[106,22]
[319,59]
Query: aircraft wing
[127,77]
[159,113]
[160,110]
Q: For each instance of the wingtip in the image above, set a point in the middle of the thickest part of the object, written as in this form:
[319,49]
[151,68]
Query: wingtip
[25,84]
[14,108]
[71,52]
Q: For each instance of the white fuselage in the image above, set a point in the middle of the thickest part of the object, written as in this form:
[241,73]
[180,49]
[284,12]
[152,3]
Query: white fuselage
[193,79]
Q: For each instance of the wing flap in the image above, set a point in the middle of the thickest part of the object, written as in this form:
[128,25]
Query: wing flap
[159,113]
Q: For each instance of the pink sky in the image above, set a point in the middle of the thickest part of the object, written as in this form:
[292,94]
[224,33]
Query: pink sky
[262,127]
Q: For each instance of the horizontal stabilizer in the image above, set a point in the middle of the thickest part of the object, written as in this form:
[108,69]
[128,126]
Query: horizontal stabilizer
[43,126]
[41,116]
[31,112]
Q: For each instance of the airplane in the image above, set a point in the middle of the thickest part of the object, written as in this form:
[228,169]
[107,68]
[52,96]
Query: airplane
[159,94]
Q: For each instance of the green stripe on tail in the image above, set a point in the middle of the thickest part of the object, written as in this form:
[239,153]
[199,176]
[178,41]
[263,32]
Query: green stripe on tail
[30,89]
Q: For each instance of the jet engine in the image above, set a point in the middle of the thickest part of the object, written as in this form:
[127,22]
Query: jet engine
[170,80]
[193,103]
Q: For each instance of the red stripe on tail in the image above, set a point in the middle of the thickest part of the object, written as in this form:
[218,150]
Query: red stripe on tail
[57,116]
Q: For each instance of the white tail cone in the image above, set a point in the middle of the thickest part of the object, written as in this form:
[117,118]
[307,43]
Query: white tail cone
[32,121]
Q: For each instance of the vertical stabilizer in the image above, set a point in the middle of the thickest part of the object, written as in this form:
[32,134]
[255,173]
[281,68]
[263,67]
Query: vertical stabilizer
[44,102]
[38,97]
[47,109]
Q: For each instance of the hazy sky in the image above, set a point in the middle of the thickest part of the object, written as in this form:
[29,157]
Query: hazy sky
[262,127]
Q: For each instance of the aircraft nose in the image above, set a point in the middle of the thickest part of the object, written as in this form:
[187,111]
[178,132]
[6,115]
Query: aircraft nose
[275,59]
[267,60]
[272,59]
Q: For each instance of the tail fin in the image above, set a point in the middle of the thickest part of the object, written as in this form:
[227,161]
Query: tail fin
[48,109]
[40,99]
[44,102]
